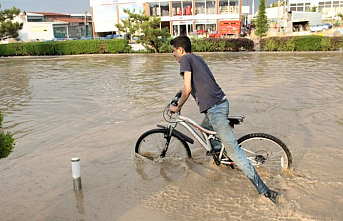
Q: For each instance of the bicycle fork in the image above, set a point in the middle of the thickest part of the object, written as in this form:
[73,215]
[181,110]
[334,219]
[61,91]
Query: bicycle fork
[168,136]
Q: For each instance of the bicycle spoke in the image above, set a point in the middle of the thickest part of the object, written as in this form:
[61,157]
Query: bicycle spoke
[152,143]
[266,151]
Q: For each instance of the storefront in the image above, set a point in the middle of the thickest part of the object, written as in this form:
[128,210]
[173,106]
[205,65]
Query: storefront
[181,17]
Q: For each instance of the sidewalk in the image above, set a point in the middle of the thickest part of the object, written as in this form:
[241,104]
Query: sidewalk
[137,47]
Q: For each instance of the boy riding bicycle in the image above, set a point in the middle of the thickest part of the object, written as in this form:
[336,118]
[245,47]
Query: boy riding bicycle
[201,84]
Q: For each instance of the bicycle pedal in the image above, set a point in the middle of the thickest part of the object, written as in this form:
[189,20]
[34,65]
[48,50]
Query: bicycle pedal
[216,158]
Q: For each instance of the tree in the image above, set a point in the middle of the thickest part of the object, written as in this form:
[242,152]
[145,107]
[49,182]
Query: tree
[314,9]
[340,15]
[145,27]
[261,20]
[6,141]
[8,28]
[273,5]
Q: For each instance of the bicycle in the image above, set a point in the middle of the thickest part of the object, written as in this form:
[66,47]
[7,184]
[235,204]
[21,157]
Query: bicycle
[263,150]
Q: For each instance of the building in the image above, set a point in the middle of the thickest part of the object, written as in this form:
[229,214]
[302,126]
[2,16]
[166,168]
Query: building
[49,26]
[328,8]
[182,17]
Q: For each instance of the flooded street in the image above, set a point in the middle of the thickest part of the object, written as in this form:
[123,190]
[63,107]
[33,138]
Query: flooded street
[96,106]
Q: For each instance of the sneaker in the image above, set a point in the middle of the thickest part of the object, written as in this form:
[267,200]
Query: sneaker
[272,195]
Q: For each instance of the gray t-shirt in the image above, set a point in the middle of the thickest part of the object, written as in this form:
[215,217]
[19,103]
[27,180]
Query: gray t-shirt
[205,89]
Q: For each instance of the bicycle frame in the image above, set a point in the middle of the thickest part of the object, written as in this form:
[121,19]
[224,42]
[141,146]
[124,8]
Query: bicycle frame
[207,134]
[186,122]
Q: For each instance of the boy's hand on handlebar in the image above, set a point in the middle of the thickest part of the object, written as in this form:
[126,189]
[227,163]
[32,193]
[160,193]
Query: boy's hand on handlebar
[174,109]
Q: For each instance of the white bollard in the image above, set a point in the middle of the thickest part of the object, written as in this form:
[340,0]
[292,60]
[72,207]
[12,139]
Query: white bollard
[75,166]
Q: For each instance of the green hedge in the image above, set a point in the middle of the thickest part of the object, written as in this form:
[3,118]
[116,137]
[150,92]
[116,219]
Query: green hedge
[222,44]
[302,43]
[65,47]
[211,44]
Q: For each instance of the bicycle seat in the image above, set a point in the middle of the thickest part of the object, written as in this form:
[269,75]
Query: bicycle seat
[235,119]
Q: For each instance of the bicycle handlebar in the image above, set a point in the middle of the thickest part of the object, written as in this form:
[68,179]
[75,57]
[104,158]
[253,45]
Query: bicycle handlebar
[175,99]
[174,102]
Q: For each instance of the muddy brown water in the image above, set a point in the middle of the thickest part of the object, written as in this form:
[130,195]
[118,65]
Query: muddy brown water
[96,106]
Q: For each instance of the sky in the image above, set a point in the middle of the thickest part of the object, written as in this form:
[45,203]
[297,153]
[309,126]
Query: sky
[66,6]
[58,6]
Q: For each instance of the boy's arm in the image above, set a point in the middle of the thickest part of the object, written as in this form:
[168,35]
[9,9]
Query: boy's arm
[187,88]
[186,91]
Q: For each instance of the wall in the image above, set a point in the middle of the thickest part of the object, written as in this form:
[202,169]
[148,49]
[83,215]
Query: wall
[36,30]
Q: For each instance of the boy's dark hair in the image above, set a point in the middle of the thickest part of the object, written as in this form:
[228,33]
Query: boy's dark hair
[182,41]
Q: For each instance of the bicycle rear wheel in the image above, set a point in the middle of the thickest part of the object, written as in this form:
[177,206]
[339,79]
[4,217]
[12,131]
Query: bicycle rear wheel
[266,151]
[151,144]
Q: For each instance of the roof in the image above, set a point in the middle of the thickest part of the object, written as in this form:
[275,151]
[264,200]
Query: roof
[49,13]
[59,17]
[70,20]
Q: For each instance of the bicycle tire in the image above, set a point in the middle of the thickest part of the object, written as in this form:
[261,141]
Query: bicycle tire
[267,152]
[151,144]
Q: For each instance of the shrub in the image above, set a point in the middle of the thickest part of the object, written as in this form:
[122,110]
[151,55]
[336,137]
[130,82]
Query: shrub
[269,44]
[163,45]
[337,42]
[288,44]
[6,141]
[302,43]
[116,46]
[308,43]
[221,44]
[65,47]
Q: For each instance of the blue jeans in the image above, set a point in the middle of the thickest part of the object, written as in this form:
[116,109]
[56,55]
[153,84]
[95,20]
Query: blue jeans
[216,120]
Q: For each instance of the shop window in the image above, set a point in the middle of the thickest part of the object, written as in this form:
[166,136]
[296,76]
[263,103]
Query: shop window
[164,8]
[223,7]
[200,29]
[60,32]
[210,7]
[154,9]
[187,8]
[159,9]
[233,7]
[175,30]
[206,27]
[190,29]
[200,7]
[176,9]
[307,7]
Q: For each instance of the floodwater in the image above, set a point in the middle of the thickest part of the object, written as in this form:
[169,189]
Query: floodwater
[96,106]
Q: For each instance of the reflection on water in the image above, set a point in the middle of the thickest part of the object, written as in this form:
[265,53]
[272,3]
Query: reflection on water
[98,105]
[79,201]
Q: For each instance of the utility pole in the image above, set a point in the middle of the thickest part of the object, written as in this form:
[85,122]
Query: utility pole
[278,16]
[253,8]
[85,24]
[246,16]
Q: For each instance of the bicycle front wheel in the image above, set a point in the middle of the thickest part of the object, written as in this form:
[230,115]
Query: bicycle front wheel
[266,151]
[152,143]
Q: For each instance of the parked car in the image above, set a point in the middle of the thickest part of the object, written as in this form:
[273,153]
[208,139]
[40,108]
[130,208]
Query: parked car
[319,27]
[328,24]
